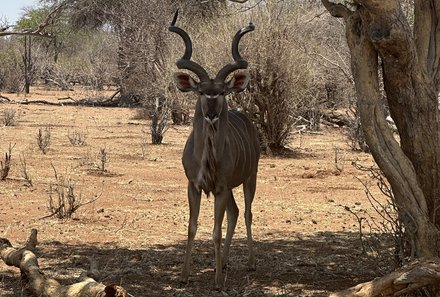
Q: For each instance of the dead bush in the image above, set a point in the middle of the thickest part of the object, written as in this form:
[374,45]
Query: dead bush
[281,92]
[63,199]
[9,117]
[5,165]
[102,160]
[24,171]
[43,139]
[77,137]
[158,111]
[159,114]
[384,224]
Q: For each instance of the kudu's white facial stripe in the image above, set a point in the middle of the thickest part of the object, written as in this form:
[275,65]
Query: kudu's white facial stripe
[211,121]
[212,96]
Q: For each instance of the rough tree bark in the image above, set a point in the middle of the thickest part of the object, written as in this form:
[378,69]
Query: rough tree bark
[35,283]
[410,65]
[378,35]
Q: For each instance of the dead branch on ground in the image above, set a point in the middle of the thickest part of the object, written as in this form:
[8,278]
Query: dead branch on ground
[4,98]
[417,275]
[35,283]
[112,102]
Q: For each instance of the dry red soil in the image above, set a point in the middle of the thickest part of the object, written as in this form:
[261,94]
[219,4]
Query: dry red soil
[307,244]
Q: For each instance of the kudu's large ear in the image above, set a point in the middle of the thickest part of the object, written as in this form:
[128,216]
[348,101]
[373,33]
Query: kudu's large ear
[185,82]
[238,82]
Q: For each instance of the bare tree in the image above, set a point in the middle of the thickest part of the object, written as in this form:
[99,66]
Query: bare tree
[141,41]
[41,30]
[27,63]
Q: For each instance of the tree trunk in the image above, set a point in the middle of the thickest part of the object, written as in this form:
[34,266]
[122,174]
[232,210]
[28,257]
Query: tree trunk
[27,61]
[129,88]
[378,31]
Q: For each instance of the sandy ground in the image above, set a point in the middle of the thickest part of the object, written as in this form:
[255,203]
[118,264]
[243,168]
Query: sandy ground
[307,244]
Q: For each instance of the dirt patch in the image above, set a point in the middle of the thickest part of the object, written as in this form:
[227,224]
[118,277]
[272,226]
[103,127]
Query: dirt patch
[306,243]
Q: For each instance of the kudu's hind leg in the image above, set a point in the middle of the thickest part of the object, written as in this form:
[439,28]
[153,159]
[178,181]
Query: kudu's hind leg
[232,215]
[194,208]
[249,187]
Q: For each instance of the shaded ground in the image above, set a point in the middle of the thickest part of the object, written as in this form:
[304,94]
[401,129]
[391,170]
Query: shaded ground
[307,244]
[286,267]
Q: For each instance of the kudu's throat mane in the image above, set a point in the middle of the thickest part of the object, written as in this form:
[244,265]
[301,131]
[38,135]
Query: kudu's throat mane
[213,137]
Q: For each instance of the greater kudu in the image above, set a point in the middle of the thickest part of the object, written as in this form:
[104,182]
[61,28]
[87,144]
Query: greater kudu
[221,153]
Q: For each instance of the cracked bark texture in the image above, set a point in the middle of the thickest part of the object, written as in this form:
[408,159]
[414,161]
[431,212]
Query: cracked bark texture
[378,35]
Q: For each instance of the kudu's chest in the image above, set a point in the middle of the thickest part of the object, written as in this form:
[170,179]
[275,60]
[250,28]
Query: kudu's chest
[215,162]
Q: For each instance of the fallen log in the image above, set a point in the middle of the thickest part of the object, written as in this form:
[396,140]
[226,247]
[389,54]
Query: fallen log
[4,98]
[83,102]
[417,275]
[35,283]
[336,117]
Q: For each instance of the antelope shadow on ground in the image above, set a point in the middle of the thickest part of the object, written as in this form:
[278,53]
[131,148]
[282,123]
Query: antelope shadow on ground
[297,265]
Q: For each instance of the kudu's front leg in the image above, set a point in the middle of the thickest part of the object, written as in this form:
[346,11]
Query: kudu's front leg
[194,209]
[232,215]
[221,200]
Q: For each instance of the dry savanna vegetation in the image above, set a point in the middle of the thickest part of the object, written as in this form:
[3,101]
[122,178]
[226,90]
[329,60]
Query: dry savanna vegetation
[93,196]
[307,243]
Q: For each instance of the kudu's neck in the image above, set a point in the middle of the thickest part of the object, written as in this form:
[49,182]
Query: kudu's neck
[209,143]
